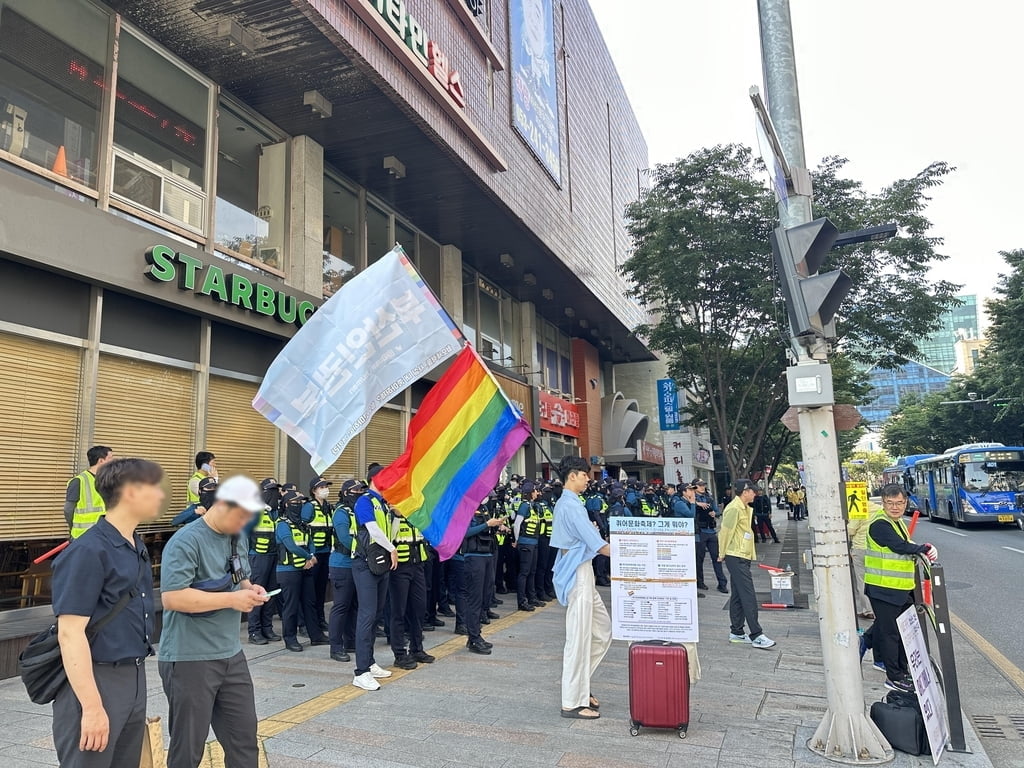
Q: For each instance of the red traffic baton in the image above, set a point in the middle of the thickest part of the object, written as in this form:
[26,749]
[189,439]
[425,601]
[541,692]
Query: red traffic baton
[913,521]
[47,555]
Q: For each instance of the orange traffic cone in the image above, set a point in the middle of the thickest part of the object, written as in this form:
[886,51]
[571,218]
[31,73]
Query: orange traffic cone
[60,164]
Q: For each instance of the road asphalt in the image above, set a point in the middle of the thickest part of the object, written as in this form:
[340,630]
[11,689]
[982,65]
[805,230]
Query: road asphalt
[750,708]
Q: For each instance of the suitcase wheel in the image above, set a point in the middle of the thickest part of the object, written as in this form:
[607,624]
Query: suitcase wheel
[682,733]
[634,730]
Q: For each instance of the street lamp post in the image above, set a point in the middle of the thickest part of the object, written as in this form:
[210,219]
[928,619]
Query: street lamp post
[845,734]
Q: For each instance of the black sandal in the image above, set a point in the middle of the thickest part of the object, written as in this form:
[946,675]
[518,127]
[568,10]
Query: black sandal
[577,713]
[594,703]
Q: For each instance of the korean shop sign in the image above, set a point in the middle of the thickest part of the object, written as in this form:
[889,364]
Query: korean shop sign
[558,415]
[426,50]
[166,266]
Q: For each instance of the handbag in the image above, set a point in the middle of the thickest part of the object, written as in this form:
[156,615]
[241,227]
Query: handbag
[378,559]
[900,721]
[41,666]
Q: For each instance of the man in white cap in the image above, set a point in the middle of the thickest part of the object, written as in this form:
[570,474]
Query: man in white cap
[204,587]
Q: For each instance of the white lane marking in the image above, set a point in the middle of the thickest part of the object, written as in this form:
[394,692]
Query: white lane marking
[1014,549]
[946,530]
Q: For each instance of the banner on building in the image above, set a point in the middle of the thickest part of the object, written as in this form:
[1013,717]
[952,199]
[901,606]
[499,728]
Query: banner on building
[668,404]
[535,80]
[377,335]
[654,579]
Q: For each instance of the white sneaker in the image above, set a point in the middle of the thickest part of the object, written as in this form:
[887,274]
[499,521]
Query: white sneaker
[366,681]
[378,671]
[738,638]
[763,641]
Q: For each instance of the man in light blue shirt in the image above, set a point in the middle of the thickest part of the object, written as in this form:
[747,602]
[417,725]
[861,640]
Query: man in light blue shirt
[588,629]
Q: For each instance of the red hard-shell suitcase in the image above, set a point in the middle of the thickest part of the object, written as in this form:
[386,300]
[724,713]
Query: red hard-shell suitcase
[659,687]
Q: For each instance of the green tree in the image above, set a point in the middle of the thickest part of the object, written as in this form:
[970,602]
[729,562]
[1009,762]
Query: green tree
[867,466]
[701,255]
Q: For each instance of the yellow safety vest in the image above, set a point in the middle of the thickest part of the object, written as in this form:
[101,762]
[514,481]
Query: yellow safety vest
[320,528]
[89,508]
[649,510]
[532,524]
[193,498]
[286,556]
[382,518]
[548,523]
[409,543]
[263,533]
[885,568]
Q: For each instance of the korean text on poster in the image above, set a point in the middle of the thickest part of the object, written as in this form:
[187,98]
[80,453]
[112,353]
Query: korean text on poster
[668,404]
[926,684]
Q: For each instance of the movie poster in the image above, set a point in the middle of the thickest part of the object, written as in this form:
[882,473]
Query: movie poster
[535,81]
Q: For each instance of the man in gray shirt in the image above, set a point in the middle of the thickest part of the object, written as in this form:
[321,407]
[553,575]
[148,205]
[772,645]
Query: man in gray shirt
[204,586]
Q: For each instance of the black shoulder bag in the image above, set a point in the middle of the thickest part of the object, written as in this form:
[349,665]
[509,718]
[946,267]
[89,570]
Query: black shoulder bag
[40,664]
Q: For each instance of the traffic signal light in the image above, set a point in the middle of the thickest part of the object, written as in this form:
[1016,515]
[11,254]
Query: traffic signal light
[811,299]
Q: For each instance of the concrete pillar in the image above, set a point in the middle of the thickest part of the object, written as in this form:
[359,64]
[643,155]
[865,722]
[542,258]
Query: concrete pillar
[451,282]
[305,215]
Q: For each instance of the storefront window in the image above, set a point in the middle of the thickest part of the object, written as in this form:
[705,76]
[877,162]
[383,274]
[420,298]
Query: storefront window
[470,321]
[430,263]
[406,238]
[51,84]
[490,327]
[509,333]
[555,358]
[250,169]
[341,222]
[378,233]
[160,124]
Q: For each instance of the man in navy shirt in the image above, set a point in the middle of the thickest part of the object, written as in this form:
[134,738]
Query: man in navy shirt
[100,718]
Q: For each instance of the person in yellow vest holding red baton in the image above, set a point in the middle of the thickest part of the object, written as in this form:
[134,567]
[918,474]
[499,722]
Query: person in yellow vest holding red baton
[889,576]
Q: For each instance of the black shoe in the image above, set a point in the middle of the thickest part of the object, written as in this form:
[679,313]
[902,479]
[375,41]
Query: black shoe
[302,632]
[460,629]
[340,656]
[435,622]
[485,643]
[537,603]
[493,615]
[405,661]
[702,585]
[324,627]
[272,636]
[484,620]
[551,597]
[296,647]
[258,640]
[496,601]
[502,591]
[701,594]
[723,589]
[604,583]
[423,657]
[446,612]
[526,607]
[478,647]
[321,641]
[378,632]
[429,628]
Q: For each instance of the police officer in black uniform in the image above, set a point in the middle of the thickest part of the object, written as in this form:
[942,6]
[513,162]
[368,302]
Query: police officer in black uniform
[318,514]
[478,546]
[262,536]
[407,592]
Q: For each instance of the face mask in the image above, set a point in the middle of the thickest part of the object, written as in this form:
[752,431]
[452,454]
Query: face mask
[322,493]
[207,499]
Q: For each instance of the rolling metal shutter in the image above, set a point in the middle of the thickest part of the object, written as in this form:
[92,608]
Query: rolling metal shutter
[39,410]
[148,411]
[242,439]
[384,436]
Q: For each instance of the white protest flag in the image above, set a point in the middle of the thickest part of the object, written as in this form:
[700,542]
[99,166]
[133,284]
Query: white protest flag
[377,335]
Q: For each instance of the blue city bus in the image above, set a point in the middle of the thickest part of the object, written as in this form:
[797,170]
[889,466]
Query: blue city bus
[905,472]
[974,483]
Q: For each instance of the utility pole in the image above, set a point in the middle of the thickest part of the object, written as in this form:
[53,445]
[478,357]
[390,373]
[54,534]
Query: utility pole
[845,733]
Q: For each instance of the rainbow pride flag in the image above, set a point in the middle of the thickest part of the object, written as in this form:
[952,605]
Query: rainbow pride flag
[460,439]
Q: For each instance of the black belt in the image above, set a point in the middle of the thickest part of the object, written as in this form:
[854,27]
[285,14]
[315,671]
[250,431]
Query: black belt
[137,662]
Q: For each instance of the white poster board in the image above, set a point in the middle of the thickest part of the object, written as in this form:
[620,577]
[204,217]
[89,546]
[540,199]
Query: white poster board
[654,580]
[926,684]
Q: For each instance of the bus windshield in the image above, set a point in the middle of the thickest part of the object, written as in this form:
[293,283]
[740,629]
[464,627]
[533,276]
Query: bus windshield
[984,476]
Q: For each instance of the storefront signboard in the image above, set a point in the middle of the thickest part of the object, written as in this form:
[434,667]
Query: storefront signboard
[558,415]
[519,394]
[650,453]
[426,50]
[668,404]
[192,274]
[654,580]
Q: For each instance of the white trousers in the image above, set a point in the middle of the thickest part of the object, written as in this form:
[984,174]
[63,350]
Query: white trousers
[588,636]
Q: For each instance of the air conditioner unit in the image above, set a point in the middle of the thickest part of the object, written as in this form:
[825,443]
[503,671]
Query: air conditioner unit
[162,191]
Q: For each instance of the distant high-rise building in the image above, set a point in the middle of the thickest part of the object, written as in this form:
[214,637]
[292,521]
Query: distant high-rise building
[938,350]
[889,387]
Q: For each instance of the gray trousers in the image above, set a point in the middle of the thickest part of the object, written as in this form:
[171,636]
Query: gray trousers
[742,598]
[123,691]
[216,693]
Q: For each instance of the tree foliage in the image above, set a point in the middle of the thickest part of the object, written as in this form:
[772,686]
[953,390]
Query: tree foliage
[702,257]
[867,466]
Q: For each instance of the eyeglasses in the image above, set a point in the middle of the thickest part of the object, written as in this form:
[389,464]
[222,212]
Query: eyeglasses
[894,503]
